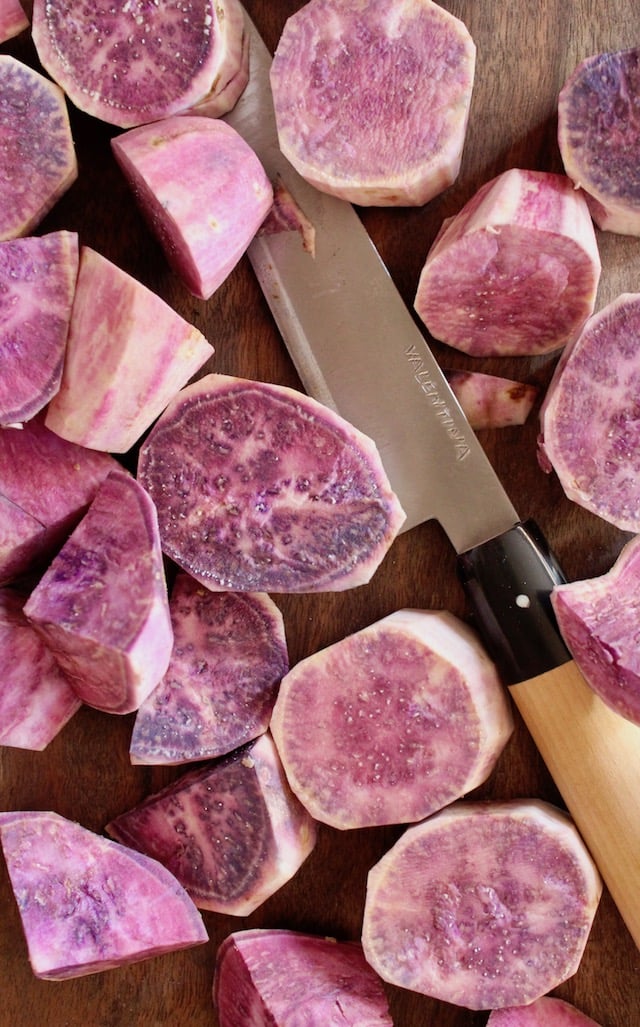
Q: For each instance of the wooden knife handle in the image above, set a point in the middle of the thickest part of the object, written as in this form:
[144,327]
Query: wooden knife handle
[593,755]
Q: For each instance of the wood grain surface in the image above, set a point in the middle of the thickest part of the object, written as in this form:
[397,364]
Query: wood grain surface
[525,52]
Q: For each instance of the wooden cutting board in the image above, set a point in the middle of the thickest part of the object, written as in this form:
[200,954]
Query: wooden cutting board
[525,52]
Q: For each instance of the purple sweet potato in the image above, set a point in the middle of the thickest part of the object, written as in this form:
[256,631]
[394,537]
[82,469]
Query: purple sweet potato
[391,723]
[598,136]
[13,19]
[260,488]
[515,271]
[490,401]
[485,905]
[89,904]
[599,619]
[102,605]
[229,655]
[37,160]
[232,832]
[36,698]
[590,416]
[202,190]
[130,64]
[544,1012]
[128,354]
[46,485]
[372,100]
[272,978]
[37,286]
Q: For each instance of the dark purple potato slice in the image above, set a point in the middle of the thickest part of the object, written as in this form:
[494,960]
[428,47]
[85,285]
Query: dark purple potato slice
[516,271]
[36,699]
[229,655]
[88,904]
[547,1011]
[232,832]
[260,488]
[372,101]
[490,401]
[102,605]
[13,19]
[128,354]
[276,978]
[37,161]
[202,190]
[590,416]
[599,620]
[131,63]
[485,905]
[598,137]
[391,723]
[37,285]
[46,485]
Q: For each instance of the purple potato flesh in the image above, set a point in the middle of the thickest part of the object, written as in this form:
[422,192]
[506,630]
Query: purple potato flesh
[46,485]
[391,723]
[229,655]
[590,416]
[490,401]
[599,619]
[515,272]
[102,605]
[544,1012]
[372,100]
[260,488]
[37,286]
[272,978]
[232,832]
[37,161]
[13,19]
[88,904]
[484,905]
[36,699]
[131,63]
[202,190]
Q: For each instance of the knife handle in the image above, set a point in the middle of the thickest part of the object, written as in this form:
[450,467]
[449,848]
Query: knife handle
[592,753]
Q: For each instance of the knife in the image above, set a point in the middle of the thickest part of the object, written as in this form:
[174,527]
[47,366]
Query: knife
[357,348]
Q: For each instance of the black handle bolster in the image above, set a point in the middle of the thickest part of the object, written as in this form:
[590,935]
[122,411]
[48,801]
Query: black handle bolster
[508,580]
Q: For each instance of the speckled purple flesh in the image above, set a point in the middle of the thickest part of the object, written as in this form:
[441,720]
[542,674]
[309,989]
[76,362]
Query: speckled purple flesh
[88,904]
[267,977]
[228,658]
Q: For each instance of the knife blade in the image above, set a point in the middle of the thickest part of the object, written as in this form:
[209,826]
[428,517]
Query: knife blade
[358,349]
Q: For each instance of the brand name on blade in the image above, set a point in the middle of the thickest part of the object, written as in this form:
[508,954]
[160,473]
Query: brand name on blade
[423,377]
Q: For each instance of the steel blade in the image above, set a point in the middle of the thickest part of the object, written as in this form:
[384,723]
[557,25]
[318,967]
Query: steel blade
[357,347]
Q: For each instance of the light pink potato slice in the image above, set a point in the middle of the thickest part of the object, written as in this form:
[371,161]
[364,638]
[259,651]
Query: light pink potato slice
[202,190]
[46,485]
[13,19]
[232,831]
[37,285]
[589,423]
[485,905]
[391,723]
[128,354]
[228,658]
[599,619]
[372,99]
[102,605]
[36,699]
[38,160]
[260,488]
[268,977]
[88,904]
[598,137]
[515,272]
[491,401]
[544,1012]
[129,64]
